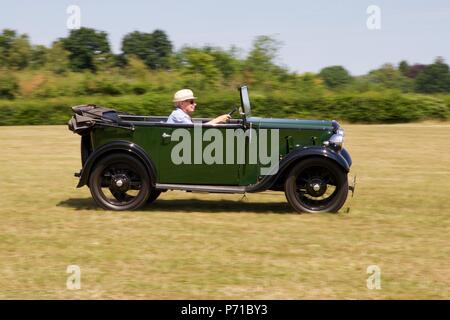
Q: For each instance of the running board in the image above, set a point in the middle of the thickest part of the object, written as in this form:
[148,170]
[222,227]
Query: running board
[201,188]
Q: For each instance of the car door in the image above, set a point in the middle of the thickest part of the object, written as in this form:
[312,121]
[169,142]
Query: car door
[196,154]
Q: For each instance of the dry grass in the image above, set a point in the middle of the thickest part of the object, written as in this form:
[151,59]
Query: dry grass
[189,246]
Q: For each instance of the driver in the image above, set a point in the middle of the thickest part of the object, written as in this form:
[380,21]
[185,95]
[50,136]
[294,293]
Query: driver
[185,105]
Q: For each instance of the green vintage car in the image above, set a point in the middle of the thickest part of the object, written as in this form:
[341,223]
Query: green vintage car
[129,160]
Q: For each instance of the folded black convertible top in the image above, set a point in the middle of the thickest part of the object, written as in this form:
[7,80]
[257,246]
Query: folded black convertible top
[87,116]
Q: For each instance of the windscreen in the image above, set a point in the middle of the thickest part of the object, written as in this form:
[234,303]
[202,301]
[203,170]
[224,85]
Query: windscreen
[245,101]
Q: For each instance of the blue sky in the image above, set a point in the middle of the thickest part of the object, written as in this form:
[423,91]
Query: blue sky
[314,34]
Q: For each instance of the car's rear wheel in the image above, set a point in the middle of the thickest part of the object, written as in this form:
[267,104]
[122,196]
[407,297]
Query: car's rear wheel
[316,185]
[120,182]
[154,194]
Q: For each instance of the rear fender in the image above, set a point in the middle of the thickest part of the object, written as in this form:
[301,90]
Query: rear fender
[117,146]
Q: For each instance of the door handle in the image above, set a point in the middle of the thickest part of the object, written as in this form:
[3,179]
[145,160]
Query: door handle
[165,135]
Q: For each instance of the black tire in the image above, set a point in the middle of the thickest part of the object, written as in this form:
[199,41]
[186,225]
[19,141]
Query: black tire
[125,177]
[316,185]
[154,194]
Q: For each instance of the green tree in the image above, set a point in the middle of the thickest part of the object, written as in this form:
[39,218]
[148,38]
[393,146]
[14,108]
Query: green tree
[161,50]
[15,50]
[120,61]
[262,55]
[84,46]
[136,68]
[307,85]
[388,77]
[198,67]
[403,67]
[20,53]
[38,57]
[105,62]
[260,67]
[434,78]
[223,60]
[154,48]
[335,76]
[58,58]
[415,70]
[7,37]
[9,87]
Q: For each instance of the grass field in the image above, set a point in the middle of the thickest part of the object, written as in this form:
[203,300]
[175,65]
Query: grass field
[196,246]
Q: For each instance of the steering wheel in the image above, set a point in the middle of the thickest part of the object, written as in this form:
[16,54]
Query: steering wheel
[232,111]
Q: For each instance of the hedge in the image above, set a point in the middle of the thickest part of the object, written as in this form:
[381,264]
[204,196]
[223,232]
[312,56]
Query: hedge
[364,108]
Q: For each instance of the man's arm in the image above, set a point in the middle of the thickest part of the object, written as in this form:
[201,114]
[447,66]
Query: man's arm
[220,119]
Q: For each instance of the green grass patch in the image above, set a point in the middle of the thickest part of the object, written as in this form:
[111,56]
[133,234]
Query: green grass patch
[209,246]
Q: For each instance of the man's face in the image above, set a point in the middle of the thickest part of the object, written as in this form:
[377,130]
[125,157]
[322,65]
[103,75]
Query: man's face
[188,106]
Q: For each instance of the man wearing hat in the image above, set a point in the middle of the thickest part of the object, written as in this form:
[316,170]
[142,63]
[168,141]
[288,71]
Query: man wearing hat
[185,106]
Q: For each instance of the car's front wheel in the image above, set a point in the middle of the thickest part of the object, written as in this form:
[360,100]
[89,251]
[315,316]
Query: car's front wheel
[316,185]
[120,182]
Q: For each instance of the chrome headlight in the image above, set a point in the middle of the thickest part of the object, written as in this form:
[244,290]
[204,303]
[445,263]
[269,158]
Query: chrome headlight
[336,140]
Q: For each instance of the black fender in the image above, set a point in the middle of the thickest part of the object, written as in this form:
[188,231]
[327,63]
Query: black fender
[117,146]
[342,158]
[346,156]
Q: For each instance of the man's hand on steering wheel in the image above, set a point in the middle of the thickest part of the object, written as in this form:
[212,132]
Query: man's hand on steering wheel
[232,111]
[220,119]
[225,118]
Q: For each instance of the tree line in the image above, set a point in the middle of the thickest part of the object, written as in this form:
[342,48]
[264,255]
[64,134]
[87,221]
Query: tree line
[88,50]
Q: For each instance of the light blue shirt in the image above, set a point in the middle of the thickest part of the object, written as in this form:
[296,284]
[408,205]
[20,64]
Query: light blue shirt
[179,116]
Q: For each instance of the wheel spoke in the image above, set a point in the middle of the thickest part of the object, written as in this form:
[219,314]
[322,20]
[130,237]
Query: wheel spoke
[120,196]
[135,185]
[120,182]
[306,189]
[304,180]
[106,181]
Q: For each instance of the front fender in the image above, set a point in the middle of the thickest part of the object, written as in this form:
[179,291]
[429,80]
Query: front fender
[117,146]
[342,158]
[346,156]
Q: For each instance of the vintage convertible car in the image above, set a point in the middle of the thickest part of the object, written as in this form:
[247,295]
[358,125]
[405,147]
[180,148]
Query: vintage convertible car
[128,160]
